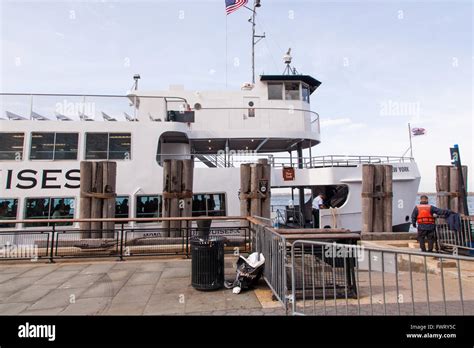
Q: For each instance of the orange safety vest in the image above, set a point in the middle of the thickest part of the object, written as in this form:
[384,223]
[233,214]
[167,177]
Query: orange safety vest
[424,215]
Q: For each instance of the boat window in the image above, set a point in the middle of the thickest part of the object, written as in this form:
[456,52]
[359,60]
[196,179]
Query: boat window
[210,204]
[49,208]
[65,146]
[108,146]
[292,91]
[42,146]
[275,91]
[149,206]
[8,209]
[53,146]
[11,146]
[96,146]
[119,145]
[305,92]
[121,207]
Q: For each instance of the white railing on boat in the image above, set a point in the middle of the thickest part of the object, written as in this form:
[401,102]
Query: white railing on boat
[223,160]
[85,107]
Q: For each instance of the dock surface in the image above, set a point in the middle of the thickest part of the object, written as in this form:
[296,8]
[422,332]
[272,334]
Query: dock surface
[133,287]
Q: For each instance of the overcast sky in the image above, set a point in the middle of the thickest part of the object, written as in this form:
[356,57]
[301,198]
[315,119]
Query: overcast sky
[382,64]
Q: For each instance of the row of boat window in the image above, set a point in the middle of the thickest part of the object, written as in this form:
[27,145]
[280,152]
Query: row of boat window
[147,206]
[58,146]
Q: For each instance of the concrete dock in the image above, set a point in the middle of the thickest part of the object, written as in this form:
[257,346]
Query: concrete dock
[132,287]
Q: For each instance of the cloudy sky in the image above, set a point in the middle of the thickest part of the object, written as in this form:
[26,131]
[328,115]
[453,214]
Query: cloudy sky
[382,64]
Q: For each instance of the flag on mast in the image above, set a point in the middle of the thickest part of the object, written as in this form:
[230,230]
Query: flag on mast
[418,131]
[233,5]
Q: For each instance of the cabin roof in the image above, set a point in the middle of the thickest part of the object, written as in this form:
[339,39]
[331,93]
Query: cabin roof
[309,80]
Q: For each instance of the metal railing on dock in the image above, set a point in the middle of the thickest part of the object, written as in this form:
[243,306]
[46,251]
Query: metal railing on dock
[325,278]
[273,246]
[356,280]
[457,239]
[61,242]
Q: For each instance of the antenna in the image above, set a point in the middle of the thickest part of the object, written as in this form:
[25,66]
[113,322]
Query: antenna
[136,77]
[287,60]
[255,38]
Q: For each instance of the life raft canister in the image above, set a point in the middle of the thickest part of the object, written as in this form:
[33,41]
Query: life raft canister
[424,215]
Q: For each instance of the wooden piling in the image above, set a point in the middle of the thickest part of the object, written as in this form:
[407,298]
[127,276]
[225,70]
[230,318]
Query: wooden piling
[244,191]
[388,199]
[109,174]
[165,199]
[456,202]
[187,190]
[442,187]
[265,206]
[368,172]
[255,175]
[176,177]
[85,201]
[96,203]
[378,215]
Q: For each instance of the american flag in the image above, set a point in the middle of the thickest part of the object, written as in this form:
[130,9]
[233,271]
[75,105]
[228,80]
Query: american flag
[233,5]
[418,131]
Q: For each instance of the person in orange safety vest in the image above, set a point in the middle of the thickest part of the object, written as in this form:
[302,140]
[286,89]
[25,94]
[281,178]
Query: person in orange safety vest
[423,217]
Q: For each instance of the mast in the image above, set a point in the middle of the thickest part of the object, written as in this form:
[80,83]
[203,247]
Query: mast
[255,38]
[411,144]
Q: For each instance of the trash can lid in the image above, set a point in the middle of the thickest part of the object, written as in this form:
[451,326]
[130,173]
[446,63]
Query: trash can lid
[207,240]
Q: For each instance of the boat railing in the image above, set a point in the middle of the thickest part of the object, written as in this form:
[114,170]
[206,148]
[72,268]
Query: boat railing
[83,107]
[346,161]
[223,160]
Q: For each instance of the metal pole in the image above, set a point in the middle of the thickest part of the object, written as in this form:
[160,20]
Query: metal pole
[411,145]
[258,37]
[31,106]
[253,42]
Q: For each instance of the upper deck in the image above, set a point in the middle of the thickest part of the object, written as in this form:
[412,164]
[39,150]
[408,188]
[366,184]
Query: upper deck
[274,111]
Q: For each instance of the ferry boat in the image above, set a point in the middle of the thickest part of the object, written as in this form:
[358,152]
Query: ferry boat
[43,138]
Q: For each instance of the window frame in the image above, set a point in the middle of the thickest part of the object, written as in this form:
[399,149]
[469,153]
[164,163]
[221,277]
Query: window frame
[69,224]
[108,147]
[303,84]
[129,206]
[160,213]
[299,90]
[212,193]
[22,149]
[282,90]
[54,147]
[17,211]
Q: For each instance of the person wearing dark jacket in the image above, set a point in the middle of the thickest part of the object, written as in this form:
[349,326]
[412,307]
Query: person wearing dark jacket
[423,217]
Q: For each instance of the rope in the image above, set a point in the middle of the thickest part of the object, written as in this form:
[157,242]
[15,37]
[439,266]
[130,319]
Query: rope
[104,195]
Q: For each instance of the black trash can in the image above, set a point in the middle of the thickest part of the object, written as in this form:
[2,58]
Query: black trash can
[207,263]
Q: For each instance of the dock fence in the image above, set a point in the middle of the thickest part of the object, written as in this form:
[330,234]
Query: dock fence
[60,242]
[459,241]
[341,279]
[273,246]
